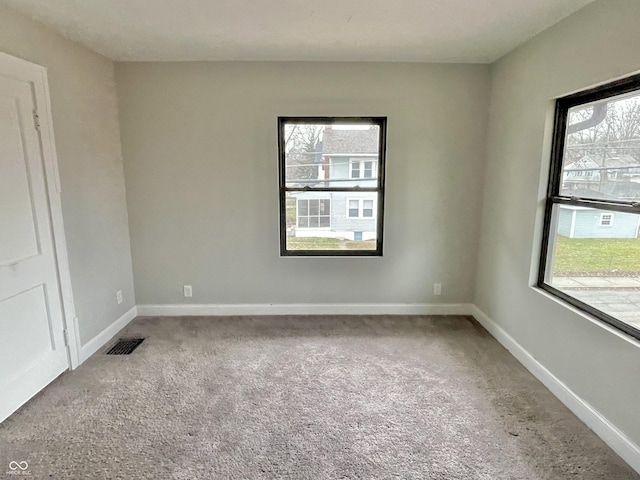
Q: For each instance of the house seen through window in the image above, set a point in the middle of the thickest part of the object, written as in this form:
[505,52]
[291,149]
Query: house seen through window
[331,185]
[591,247]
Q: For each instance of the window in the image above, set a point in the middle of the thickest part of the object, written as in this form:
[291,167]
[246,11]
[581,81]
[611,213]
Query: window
[591,247]
[363,168]
[360,208]
[331,185]
[314,213]
[606,219]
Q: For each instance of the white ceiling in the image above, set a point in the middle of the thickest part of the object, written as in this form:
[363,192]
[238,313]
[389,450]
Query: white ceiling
[475,31]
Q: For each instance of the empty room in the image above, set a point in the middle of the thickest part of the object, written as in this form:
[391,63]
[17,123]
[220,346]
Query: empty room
[320,240]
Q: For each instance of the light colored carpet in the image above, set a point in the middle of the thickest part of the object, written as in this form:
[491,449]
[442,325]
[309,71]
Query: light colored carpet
[305,398]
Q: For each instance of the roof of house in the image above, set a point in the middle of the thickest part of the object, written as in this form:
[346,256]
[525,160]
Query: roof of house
[580,163]
[623,161]
[350,141]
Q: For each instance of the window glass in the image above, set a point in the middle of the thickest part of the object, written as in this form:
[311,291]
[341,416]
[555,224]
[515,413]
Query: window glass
[321,155]
[324,164]
[602,150]
[368,169]
[594,264]
[354,207]
[367,208]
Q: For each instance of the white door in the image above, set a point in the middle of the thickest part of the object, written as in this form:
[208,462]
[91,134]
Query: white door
[32,345]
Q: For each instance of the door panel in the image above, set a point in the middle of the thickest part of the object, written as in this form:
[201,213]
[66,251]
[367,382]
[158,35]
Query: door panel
[29,337]
[32,349]
[18,233]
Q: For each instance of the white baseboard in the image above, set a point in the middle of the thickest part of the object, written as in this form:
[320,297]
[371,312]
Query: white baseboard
[305,309]
[609,433]
[100,340]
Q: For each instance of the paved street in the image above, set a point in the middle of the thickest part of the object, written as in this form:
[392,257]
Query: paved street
[617,296]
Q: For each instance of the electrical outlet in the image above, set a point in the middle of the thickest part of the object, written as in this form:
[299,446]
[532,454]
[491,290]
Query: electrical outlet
[437,289]
[119,296]
[188,292]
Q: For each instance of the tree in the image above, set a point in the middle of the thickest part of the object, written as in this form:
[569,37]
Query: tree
[615,134]
[301,149]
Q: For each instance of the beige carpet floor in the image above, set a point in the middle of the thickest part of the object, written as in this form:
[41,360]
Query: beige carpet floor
[388,397]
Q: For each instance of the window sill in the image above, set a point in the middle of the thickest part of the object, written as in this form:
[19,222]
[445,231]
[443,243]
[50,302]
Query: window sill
[587,316]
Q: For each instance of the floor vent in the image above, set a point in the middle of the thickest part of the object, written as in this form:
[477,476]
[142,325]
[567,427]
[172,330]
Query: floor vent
[125,346]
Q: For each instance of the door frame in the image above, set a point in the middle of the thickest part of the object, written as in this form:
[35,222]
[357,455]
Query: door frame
[20,70]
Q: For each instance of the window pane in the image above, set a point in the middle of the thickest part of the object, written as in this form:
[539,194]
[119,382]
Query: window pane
[314,207]
[595,263]
[368,169]
[602,150]
[338,229]
[303,207]
[324,207]
[367,208]
[330,155]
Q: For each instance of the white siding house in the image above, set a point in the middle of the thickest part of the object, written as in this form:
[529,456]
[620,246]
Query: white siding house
[346,158]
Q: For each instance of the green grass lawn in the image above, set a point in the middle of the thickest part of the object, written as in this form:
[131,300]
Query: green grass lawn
[317,243]
[597,255]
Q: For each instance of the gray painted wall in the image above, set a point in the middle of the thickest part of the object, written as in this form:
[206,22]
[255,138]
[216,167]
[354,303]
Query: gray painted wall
[594,45]
[85,118]
[200,152]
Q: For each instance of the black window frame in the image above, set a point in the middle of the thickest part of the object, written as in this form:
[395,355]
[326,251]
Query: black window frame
[562,107]
[381,123]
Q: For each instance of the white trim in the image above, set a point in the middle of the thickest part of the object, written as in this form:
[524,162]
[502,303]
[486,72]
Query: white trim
[53,176]
[608,432]
[38,76]
[606,214]
[100,340]
[167,310]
